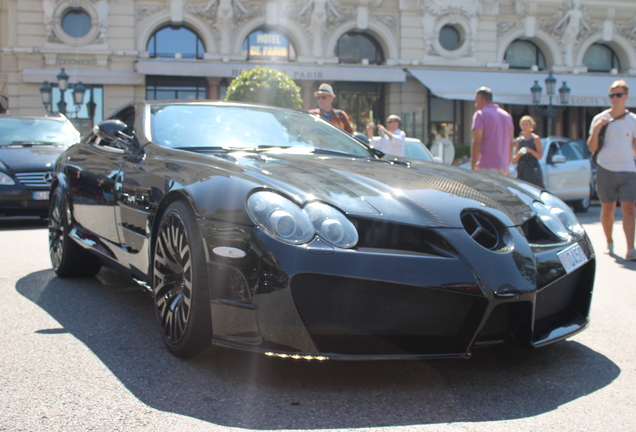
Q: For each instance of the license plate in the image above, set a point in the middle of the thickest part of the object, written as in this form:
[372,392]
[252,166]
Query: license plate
[572,258]
[41,195]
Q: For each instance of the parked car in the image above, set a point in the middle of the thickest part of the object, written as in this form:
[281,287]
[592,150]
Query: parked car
[29,146]
[416,149]
[567,171]
[273,231]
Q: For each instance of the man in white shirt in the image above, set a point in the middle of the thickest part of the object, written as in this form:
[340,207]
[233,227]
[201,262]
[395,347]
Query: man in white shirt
[616,170]
[391,140]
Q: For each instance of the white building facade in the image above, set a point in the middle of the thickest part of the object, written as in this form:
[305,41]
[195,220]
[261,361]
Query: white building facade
[421,59]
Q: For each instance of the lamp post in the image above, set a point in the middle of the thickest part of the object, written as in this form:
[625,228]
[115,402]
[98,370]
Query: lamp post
[551,111]
[62,83]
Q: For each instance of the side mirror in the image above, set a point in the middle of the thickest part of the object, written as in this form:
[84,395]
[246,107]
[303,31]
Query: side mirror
[114,130]
[557,158]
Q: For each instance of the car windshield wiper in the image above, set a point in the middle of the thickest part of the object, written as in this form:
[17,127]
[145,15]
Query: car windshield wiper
[35,143]
[335,152]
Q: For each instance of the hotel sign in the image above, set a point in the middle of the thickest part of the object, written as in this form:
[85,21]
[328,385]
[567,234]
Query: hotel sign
[266,46]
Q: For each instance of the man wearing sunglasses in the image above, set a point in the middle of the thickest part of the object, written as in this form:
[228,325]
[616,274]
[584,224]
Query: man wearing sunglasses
[391,140]
[325,97]
[616,169]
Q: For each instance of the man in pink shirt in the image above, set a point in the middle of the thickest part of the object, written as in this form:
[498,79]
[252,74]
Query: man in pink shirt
[493,135]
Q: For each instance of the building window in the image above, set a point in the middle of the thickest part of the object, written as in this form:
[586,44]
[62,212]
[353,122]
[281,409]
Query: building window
[601,58]
[442,119]
[168,88]
[266,45]
[450,38]
[170,41]
[94,93]
[523,54]
[76,23]
[356,48]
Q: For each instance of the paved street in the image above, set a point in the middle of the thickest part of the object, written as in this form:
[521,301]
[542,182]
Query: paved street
[78,355]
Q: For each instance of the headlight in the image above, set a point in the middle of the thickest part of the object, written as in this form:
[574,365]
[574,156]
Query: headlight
[285,221]
[331,225]
[6,180]
[563,212]
[551,221]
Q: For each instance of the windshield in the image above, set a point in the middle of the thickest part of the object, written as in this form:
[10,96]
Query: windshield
[210,127]
[36,131]
[414,149]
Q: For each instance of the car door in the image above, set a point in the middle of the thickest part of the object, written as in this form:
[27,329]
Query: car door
[91,172]
[569,180]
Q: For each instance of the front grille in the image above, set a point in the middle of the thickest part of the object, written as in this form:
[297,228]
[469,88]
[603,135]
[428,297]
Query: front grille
[360,317]
[35,179]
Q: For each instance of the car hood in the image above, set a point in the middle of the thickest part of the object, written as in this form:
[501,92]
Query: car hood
[413,193]
[31,158]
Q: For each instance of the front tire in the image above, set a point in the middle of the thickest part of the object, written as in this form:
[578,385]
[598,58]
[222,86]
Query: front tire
[180,283]
[67,257]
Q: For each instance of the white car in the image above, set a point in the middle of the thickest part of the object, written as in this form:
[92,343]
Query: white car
[567,171]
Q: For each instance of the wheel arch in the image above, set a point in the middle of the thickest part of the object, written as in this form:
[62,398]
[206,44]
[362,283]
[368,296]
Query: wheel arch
[169,198]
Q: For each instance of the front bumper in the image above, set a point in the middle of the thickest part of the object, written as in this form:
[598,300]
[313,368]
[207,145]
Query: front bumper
[20,201]
[318,302]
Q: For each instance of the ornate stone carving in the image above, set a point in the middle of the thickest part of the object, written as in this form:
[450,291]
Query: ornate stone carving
[570,25]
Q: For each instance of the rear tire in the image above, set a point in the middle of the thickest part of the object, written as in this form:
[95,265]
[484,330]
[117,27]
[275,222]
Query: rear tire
[67,257]
[180,283]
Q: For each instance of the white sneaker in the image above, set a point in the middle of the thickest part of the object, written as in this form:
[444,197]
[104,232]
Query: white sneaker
[631,255]
[609,250]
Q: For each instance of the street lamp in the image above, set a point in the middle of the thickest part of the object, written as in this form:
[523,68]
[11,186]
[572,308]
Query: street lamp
[62,84]
[551,111]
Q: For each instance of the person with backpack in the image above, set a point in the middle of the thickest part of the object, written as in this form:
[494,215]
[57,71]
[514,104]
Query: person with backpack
[612,141]
[325,97]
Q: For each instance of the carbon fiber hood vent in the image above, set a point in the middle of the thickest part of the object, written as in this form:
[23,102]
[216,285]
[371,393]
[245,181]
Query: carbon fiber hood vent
[482,229]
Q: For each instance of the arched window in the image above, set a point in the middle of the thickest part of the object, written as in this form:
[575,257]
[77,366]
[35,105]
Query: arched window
[356,48]
[601,58]
[523,54]
[171,40]
[268,45]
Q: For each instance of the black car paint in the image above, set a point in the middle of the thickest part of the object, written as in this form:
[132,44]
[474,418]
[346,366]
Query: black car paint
[470,294]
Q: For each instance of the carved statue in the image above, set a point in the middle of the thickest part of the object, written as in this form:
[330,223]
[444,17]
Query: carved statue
[573,20]
[317,26]
[48,6]
[225,24]
[103,11]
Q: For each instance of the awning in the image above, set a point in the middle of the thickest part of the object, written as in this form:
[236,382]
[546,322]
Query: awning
[514,87]
[370,73]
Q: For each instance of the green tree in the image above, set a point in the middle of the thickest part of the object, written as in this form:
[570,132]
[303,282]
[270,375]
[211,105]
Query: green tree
[265,86]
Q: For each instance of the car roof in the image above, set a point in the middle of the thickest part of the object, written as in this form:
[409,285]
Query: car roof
[53,116]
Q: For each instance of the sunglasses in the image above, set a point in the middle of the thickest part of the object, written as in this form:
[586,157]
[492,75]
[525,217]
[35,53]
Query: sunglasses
[391,121]
[323,97]
[616,95]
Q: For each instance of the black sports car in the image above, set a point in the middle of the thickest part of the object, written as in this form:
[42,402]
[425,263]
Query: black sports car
[29,147]
[271,230]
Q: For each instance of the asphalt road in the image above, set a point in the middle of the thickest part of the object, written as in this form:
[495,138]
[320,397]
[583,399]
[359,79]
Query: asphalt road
[86,355]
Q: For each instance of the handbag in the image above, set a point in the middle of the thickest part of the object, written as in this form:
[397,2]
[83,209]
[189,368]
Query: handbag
[601,137]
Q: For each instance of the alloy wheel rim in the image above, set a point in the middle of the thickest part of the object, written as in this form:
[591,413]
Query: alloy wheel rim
[173,278]
[56,233]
